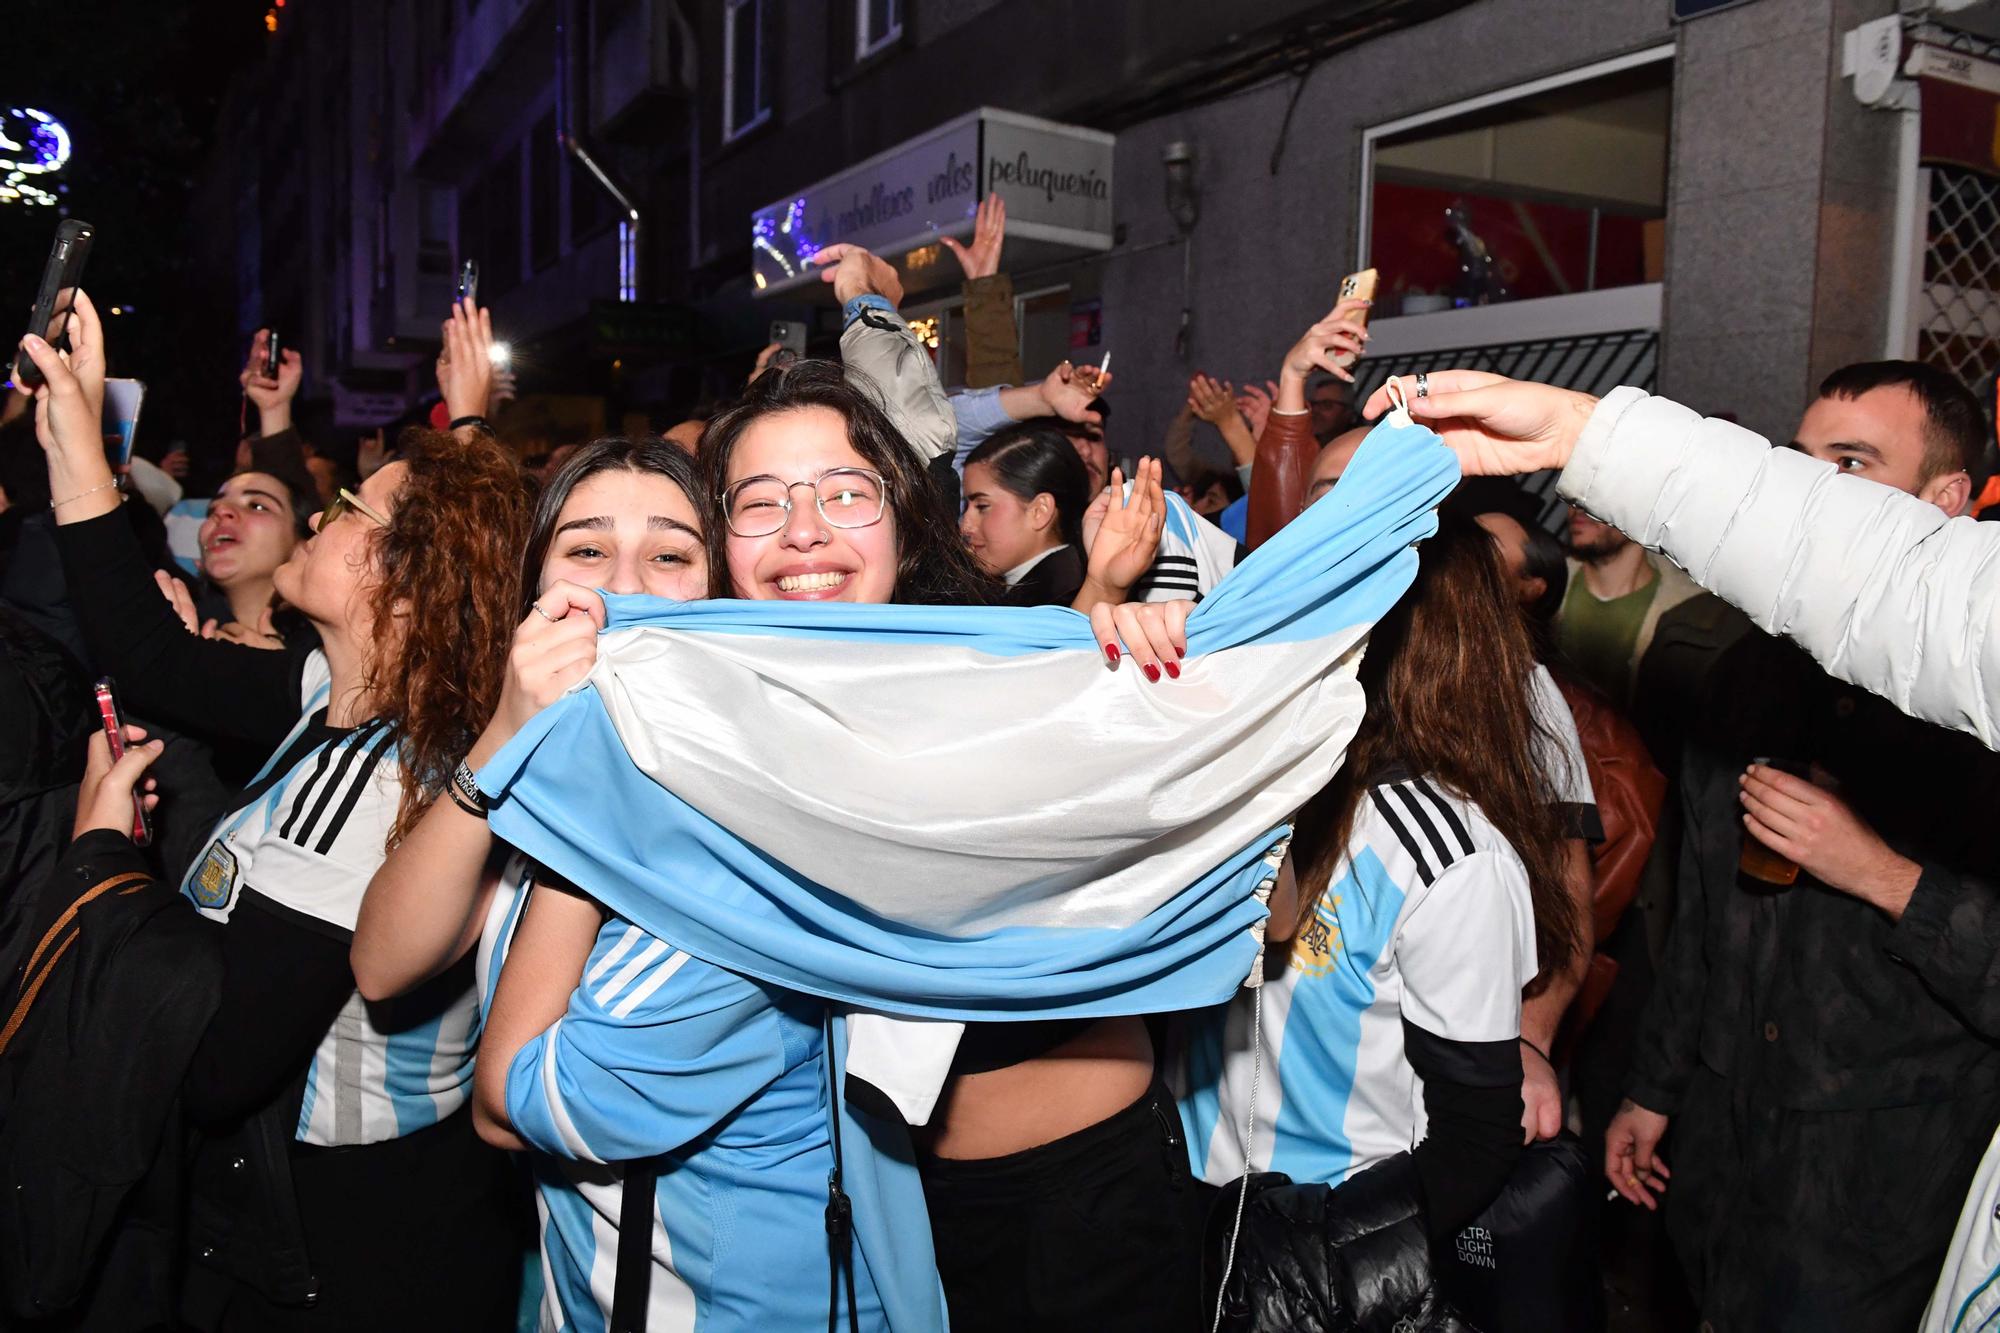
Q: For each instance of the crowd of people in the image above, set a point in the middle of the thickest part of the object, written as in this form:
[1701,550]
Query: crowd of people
[1276,883]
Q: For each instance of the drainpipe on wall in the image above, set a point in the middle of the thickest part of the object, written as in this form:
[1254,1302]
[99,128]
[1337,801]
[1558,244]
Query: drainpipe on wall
[1872,57]
[573,133]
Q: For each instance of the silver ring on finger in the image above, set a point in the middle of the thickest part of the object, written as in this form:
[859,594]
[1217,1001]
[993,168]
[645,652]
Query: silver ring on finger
[543,614]
[1423,385]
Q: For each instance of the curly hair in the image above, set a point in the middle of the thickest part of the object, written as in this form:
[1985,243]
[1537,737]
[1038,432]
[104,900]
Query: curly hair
[933,568]
[1447,678]
[450,576]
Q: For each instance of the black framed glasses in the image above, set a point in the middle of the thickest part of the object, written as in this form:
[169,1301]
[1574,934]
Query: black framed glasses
[847,497]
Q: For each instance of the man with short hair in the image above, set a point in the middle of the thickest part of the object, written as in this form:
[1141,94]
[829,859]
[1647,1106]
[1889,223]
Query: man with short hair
[1828,1050]
[1330,403]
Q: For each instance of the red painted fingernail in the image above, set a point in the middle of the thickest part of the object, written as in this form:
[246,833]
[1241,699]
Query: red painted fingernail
[1152,672]
[1174,670]
[1111,656]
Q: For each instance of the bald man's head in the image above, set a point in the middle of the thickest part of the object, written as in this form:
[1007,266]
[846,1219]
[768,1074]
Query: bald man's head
[1333,460]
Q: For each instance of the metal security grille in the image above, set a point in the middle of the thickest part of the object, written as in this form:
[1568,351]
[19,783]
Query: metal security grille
[1958,304]
[1593,363]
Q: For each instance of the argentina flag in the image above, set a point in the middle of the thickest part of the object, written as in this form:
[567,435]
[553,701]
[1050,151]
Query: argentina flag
[958,813]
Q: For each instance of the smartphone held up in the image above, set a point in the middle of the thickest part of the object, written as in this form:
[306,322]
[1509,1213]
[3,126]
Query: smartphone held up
[48,318]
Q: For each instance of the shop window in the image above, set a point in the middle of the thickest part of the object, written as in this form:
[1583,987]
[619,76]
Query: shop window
[1552,189]
[747,44]
[878,24]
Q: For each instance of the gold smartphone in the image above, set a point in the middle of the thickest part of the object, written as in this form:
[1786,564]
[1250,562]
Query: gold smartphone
[1361,284]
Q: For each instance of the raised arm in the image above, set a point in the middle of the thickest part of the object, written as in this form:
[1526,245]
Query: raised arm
[207,687]
[272,394]
[1878,586]
[1287,449]
[876,346]
[425,906]
[992,341]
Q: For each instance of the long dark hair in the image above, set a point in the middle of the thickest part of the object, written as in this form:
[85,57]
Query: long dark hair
[933,567]
[1447,677]
[1033,460]
[613,453]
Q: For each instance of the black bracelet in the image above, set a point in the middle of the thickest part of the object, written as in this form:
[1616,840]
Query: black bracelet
[463,804]
[476,421]
[1539,1051]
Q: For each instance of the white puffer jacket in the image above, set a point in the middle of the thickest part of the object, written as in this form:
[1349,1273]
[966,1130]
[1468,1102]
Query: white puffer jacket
[1877,585]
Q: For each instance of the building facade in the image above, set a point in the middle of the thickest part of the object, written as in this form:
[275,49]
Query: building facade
[1593,192]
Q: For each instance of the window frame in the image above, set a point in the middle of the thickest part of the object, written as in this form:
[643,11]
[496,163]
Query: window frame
[1364,234]
[762,13]
[864,49]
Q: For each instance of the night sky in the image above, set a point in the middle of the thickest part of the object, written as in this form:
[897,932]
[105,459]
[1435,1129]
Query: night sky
[139,85]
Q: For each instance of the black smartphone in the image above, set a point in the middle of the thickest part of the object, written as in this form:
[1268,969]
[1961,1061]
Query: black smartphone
[790,335]
[273,355]
[468,282]
[49,317]
[114,733]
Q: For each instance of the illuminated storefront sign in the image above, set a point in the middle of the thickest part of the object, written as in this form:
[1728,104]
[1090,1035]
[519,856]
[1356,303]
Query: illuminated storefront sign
[1056,180]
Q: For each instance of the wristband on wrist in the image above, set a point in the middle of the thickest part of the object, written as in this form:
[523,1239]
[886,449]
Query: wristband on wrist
[475,421]
[451,790]
[866,301]
[1539,1051]
[465,790]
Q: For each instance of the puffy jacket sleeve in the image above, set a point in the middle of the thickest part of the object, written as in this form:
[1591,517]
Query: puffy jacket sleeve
[878,348]
[1878,586]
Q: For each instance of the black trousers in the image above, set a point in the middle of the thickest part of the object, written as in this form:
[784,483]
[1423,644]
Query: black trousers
[1096,1231]
[423,1232]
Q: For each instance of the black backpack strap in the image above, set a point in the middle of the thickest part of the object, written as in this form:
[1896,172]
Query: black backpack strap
[839,1211]
[632,1288]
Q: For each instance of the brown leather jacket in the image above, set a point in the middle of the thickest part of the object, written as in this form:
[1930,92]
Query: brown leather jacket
[1283,469]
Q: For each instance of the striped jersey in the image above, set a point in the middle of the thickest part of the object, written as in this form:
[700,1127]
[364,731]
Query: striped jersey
[1427,920]
[723,1079]
[1194,554]
[305,837]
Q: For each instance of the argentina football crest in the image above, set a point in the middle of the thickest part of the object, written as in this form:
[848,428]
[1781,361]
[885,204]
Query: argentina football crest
[213,883]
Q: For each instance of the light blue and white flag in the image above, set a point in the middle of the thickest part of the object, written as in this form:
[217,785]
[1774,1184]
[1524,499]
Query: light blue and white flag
[957,812]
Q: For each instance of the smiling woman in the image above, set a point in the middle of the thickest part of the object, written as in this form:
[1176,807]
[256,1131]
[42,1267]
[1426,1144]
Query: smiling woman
[857,521]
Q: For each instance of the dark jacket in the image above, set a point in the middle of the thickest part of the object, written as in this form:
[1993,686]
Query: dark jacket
[1832,1074]
[1053,582]
[123,987]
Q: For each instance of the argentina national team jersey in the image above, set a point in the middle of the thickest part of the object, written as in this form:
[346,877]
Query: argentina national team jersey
[658,1048]
[306,837]
[1428,920]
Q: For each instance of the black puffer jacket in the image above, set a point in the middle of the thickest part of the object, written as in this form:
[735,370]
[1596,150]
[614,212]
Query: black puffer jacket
[1354,1259]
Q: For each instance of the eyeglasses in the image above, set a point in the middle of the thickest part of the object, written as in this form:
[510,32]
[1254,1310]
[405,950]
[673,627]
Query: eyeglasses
[344,501]
[847,497]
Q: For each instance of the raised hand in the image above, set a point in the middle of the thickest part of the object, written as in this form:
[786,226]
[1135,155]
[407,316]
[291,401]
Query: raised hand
[989,231]
[1121,535]
[1070,390]
[1332,344]
[1498,427]
[465,363]
[854,272]
[272,394]
[1254,402]
[1214,401]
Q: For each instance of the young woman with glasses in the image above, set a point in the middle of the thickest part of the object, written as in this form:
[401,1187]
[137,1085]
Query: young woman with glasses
[337,1182]
[711,1081]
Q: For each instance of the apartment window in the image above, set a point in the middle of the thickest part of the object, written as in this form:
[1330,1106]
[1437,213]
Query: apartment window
[544,194]
[1554,188]
[877,25]
[747,45]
